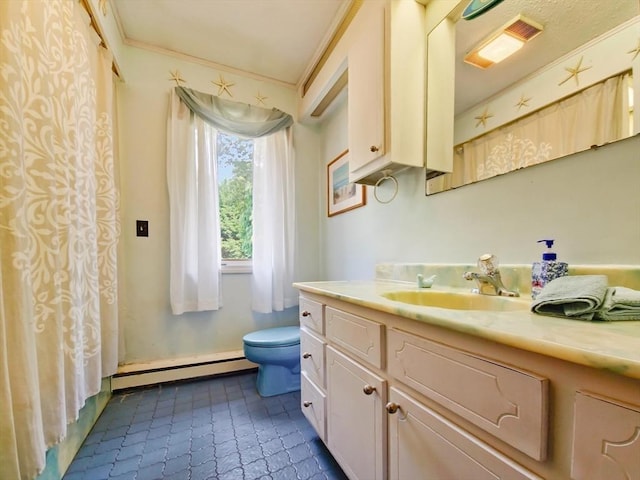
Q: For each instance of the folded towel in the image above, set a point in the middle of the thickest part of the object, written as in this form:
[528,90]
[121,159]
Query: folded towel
[574,296]
[620,303]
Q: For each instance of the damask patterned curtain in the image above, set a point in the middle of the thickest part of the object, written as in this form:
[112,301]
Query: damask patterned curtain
[58,226]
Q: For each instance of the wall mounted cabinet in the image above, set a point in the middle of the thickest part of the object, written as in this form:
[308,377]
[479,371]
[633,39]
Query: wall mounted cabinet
[383,51]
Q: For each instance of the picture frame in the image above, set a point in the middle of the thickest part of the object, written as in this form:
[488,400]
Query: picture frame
[342,195]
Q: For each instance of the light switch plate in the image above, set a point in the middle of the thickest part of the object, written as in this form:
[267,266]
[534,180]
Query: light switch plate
[142,228]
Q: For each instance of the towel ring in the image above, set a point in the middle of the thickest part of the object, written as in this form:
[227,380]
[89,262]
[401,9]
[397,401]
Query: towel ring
[386,176]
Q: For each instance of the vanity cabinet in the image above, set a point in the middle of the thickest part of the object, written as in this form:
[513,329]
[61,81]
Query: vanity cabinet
[408,399]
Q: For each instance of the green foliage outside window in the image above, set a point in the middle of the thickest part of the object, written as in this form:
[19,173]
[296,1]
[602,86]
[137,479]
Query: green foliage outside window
[235,184]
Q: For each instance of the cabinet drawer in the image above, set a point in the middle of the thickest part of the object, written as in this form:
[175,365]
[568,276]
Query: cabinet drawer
[423,444]
[312,352]
[313,402]
[359,336]
[508,403]
[312,315]
[606,443]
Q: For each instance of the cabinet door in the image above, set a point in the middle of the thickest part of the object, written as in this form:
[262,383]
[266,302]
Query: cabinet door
[366,120]
[606,439]
[356,420]
[425,445]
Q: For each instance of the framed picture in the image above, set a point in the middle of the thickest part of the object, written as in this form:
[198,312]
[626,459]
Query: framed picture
[341,194]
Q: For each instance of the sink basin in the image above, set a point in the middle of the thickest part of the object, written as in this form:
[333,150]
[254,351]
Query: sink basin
[458,300]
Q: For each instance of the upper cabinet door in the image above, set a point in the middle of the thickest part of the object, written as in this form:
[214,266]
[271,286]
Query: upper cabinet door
[366,87]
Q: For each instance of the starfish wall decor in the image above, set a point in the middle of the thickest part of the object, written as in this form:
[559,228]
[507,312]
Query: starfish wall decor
[260,98]
[223,86]
[176,77]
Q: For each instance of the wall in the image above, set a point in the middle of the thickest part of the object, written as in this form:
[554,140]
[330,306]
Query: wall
[588,202]
[149,330]
[60,456]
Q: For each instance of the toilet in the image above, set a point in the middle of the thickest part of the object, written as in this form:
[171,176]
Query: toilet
[277,353]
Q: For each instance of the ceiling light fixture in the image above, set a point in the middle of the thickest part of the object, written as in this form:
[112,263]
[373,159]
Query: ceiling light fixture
[503,42]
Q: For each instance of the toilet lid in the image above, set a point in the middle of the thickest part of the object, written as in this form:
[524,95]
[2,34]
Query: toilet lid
[273,337]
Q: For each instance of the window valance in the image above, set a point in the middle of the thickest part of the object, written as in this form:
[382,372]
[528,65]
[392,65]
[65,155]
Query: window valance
[234,117]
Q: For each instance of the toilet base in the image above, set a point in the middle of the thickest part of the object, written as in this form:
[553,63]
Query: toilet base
[276,379]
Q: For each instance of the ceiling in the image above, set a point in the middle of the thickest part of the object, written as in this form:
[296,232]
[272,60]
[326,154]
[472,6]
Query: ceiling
[273,39]
[280,39]
[567,25]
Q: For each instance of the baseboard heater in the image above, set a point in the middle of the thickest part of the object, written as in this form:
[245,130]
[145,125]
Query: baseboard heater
[150,373]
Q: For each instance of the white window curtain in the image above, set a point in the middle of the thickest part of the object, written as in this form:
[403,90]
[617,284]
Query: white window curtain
[273,223]
[58,226]
[194,217]
[594,116]
[273,216]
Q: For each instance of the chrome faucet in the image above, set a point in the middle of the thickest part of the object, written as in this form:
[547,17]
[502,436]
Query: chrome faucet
[489,280]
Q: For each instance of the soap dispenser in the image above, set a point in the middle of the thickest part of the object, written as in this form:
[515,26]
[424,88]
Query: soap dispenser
[546,270]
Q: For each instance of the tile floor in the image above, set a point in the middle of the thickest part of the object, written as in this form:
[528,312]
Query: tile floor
[217,428]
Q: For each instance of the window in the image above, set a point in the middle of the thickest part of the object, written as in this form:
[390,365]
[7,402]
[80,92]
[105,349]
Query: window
[235,185]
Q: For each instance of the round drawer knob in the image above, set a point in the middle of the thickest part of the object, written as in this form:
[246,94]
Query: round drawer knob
[306,355]
[392,407]
[373,148]
[306,404]
[368,389]
[306,314]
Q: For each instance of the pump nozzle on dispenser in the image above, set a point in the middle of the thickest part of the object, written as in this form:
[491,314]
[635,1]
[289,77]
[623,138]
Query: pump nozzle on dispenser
[548,255]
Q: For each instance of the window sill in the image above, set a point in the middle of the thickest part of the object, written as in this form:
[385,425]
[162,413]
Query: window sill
[238,266]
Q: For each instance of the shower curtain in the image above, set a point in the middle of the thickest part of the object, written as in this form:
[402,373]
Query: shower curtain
[58,226]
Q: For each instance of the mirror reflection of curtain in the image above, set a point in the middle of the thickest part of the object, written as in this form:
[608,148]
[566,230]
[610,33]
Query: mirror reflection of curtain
[594,116]
[58,226]
[193,202]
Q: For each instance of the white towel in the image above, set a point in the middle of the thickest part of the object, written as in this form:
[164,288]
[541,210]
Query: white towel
[574,296]
[620,303]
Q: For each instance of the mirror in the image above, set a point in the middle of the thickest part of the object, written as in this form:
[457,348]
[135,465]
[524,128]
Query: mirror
[584,47]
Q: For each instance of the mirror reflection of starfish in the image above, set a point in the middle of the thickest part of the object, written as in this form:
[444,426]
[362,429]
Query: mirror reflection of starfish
[574,72]
[635,51]
[482,119]
[523,102]
[223,85]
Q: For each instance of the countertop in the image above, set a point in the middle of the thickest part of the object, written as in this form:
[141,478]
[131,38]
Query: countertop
[612,346]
